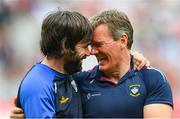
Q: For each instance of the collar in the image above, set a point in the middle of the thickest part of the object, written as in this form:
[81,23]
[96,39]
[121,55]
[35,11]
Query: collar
[58,74]
[102,77]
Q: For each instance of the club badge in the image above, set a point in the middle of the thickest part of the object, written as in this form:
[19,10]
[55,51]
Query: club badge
[135,90]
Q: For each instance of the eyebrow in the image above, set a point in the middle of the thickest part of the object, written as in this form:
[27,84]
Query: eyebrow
[99,41]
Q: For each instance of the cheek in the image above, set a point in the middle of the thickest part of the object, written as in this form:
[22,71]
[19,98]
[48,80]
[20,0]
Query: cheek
[83,50]
[113,57]
[80,50]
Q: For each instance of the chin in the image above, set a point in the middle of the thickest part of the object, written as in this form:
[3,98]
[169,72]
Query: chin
[73,65]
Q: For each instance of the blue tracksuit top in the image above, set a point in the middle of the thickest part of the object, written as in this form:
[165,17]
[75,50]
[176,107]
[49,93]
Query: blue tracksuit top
[102,99]
[46,93]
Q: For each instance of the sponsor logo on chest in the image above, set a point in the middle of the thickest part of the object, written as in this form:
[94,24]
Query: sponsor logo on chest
[90,95]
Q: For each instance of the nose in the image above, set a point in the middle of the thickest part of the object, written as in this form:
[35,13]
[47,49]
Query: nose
[93,51]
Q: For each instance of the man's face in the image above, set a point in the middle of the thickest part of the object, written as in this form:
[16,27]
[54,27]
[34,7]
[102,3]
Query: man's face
[73,61]
[106,50]
[82,50]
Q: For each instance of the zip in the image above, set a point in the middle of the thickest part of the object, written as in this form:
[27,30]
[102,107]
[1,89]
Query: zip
[55,88]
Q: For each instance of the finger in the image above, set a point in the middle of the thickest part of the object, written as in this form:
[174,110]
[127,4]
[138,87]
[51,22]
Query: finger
[17,110]
[17,116]
[145,63]
[136,64]
[141,65]
[148,64]
[135,67]
[138,58]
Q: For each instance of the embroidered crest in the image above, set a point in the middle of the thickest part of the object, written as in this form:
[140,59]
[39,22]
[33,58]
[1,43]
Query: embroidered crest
[64,100]
[135,90]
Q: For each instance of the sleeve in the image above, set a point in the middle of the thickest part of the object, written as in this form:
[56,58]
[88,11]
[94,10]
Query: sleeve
[39,107]
[37,99]
[158,88]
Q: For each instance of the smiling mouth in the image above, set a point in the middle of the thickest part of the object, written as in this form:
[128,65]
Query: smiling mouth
[101,59]
[84,57]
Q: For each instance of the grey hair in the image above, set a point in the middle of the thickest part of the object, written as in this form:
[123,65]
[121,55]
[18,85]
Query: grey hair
[117,22]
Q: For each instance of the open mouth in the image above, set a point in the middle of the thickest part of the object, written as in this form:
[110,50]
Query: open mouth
[101,59]
[84,57]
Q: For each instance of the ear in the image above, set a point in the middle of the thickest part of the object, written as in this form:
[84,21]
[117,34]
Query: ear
[123,40]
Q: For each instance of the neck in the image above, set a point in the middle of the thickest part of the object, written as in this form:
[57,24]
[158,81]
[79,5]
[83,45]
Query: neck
[116,73]
[56,64]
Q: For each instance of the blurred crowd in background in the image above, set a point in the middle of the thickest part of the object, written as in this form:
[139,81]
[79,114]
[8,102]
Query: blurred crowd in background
[156,26]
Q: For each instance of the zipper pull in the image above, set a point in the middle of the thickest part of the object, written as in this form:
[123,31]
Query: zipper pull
[55,87]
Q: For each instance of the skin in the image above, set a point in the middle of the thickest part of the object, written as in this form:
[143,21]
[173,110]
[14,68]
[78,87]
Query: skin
[82,50]
[158,111]
[113,56]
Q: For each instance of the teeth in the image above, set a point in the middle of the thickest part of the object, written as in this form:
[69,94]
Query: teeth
[101,58]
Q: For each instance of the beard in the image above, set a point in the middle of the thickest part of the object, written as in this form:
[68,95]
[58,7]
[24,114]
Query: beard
[72,64]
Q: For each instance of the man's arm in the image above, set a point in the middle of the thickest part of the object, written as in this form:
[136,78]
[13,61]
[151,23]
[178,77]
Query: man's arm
[159,100]
[158,111]
[41,108]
